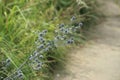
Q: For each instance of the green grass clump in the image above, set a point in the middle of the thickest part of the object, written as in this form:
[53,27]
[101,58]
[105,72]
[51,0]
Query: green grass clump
[22,21]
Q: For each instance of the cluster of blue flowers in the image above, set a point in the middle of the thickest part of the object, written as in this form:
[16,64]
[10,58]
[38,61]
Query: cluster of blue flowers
[18,74]
[4,65]
[63,36]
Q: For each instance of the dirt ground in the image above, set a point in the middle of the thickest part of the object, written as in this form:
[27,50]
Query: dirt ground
[99,59]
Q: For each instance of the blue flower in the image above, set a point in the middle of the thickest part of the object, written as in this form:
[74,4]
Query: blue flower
[7,62]
[41,46]
[40,56]
[41,39]
[35,53]
[41,34]
[45,31]
[39,66]
[73,18]
[37,60]
[31,57]
[80,24]
[66,31]
[70,41]
[62,29]
[47,49]
[19,74]
[61,25]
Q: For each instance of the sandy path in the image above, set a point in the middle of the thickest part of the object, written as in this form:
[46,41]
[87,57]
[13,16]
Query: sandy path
[100,58]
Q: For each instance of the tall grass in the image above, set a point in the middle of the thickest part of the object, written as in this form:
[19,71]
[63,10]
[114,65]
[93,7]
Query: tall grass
[22,21]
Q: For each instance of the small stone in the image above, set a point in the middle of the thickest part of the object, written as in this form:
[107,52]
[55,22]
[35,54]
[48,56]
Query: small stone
[58,75]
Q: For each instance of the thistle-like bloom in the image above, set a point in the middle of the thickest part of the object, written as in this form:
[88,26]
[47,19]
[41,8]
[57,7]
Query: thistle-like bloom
[66,31]
[80,24]
[73,18]
[35,53]
[45,31]
[41,39]
[40,56]
[18,75]
[7,62]
[41,34]
[31,57]
[57,38]
[61,25]
[47,49]
[37,60]
[70,41]
[41,46]
[62,29]
[37,66]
